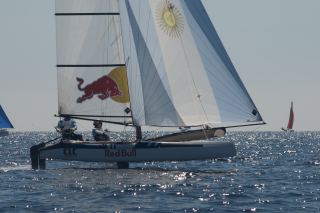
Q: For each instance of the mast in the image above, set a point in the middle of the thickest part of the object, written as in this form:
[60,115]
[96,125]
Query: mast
[138,128]
[138,133]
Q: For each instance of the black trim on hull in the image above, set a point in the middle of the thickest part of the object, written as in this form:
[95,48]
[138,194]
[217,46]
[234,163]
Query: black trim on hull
[177,146]
[107,145]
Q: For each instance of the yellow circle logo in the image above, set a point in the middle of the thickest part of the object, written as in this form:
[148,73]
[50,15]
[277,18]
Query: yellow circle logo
[169,19]
[119,74]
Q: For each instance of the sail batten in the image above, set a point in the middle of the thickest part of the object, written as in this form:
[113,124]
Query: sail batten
[91,65]
[86,14]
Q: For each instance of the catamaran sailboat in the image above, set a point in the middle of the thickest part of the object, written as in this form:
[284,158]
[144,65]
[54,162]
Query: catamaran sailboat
[145,63]
[291,119]
[4,123]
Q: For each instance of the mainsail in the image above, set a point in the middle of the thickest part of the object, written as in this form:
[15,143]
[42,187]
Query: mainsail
[92,80]
[179,73]
[159,62]
[4,120]
[291,118]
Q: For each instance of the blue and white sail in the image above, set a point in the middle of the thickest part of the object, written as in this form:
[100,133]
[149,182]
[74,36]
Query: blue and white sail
[4,120]
[179,73]
[4,123]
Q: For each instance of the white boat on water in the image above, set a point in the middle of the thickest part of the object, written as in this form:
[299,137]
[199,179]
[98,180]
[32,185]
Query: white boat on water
[4,123]
[291,119]
[145,63]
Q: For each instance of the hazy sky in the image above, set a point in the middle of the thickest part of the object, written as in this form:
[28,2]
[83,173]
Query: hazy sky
[273,44]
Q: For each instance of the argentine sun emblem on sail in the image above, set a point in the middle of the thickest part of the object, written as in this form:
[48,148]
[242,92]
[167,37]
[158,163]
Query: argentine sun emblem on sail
[169,19]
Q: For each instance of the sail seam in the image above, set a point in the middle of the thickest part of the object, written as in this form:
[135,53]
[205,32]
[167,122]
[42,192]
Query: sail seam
[226,59]
[232,77]
[239,90]
[104,116]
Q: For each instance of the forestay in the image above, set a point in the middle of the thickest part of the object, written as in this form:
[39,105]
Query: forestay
[91,73]
[179,73]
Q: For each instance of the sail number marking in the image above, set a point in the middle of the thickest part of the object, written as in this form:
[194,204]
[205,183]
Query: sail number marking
[70,152]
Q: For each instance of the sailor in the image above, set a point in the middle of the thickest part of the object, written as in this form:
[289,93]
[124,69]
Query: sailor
[66,127]
[98,133]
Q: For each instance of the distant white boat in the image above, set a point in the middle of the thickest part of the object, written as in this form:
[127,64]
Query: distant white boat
[153,63]
[291,119]
[4,123]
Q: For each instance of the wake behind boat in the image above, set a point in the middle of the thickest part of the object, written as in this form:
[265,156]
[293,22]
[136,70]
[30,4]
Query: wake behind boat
[157,63]
[4,123]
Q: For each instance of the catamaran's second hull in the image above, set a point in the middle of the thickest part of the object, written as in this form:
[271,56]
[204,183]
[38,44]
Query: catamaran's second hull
[137,152]
[3,133]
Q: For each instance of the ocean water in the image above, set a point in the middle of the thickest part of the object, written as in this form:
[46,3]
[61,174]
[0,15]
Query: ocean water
[272,172]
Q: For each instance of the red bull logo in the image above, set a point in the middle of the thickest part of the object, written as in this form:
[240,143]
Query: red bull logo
[121,153]
[105,87]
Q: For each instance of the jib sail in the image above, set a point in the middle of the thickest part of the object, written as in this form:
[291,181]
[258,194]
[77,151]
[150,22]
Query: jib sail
[179,73]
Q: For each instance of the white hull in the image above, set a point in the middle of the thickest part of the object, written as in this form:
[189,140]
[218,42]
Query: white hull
[137,152]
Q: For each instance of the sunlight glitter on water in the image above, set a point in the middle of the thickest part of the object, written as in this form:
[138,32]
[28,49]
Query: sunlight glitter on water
[272,172]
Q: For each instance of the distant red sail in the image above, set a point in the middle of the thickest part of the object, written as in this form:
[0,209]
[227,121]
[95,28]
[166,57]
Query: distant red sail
[290,124]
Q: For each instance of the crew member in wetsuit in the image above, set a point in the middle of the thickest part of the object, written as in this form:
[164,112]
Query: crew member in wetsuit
[98,133]
[66,127]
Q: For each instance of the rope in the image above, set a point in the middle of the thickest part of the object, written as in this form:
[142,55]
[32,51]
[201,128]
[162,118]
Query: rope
[146,133]
[129,131]
[256,128]
[205,132]
[83,126]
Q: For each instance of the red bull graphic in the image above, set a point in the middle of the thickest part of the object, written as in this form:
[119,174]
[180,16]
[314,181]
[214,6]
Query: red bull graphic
[121,153]
[105,87]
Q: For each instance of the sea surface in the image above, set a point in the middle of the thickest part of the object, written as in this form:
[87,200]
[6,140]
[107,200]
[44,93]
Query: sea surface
[272,172]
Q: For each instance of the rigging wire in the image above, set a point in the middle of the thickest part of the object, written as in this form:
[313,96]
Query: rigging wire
[195,85]
[256,128]
[78,123]
[146,133]
[205,132]
[124,130]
